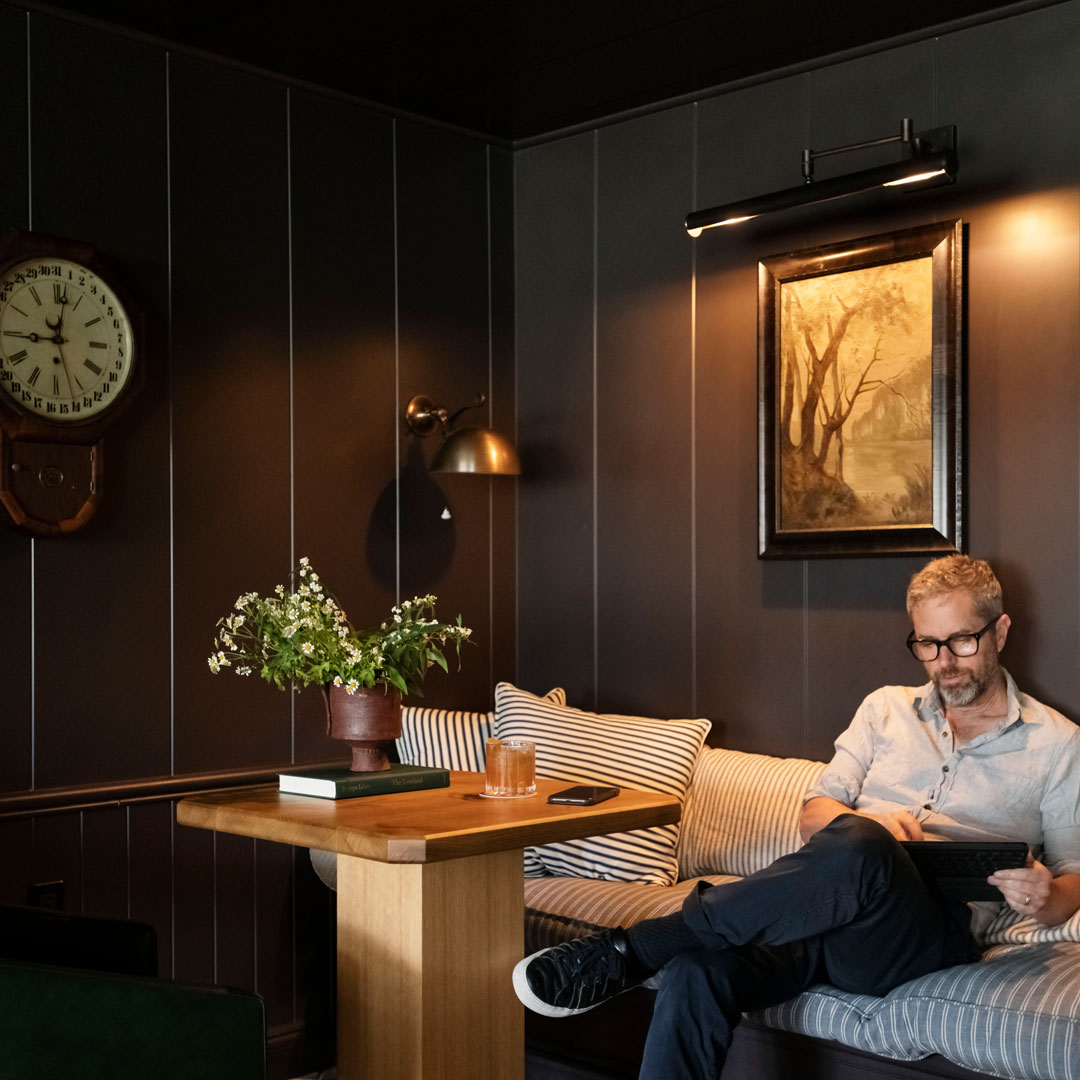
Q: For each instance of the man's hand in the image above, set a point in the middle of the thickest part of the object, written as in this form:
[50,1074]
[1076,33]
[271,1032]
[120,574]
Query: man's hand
[1026,891]
[900,823]
[818,812]
[1035,891]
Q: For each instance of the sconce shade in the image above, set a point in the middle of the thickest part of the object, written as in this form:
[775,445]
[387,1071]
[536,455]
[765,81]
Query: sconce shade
[463,450]
[476,450]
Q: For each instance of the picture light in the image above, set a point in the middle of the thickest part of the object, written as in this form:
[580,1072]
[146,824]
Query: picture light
[929,159]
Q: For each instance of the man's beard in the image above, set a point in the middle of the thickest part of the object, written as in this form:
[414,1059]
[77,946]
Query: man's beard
[964,693]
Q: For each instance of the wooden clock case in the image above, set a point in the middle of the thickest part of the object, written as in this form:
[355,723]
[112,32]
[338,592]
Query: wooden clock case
[51,472]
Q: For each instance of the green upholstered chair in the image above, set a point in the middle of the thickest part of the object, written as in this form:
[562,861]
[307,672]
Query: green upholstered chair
[79,999]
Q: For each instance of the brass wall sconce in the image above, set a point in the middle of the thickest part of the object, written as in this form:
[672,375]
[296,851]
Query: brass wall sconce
[927,160]
[463,450]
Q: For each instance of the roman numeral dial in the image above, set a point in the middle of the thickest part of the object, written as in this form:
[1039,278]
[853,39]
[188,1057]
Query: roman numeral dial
[66,341]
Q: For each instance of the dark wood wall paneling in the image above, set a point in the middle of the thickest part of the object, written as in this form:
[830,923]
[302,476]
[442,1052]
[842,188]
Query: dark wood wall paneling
[256,225]
[644,409]
[444,308]
[1024,326]
[555,280]
[16,583]
[230,338]
[344,373]
[785,650]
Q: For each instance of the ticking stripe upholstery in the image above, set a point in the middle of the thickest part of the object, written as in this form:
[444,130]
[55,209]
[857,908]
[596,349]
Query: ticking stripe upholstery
[1011,928]
[742,811]
[450,739]
[627,751]
[561,909]
[1015,1014]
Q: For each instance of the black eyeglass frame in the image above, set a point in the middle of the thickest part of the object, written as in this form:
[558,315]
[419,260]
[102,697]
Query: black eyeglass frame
[912,641]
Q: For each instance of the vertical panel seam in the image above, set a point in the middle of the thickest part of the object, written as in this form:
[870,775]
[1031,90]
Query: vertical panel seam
[806,563]
[29,138]
[397,366]
[693,421]
[595,417]
[292,386]
[516,419]
[491,418]
[33,542]
[171,376]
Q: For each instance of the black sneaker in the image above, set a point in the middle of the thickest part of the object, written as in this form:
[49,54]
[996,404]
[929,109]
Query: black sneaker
[576,976]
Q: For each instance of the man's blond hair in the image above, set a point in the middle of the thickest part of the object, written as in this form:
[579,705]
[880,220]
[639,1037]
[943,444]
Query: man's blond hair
[958,573]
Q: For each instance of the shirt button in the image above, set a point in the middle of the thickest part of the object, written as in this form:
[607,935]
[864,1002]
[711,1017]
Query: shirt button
[944,734]
[945,768]
[926,806]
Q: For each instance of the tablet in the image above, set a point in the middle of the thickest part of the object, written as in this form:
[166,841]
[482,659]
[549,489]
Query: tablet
[959,868]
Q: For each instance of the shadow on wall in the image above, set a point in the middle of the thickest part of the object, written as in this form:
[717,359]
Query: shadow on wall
[428,533]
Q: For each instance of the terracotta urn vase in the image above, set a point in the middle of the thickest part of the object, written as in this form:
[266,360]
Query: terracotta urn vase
[367,720]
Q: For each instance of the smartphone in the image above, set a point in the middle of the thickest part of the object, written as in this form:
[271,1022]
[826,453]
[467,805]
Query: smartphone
[583,795]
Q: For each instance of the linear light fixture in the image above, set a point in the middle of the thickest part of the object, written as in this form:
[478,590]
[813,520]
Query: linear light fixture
[928,159]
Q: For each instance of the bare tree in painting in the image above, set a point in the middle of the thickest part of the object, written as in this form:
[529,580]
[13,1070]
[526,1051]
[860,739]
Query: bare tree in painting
[839,335]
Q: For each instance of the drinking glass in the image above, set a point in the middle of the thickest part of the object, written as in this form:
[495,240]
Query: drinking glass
[511,769]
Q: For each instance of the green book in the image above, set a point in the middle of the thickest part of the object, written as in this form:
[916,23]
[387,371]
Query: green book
[344,784]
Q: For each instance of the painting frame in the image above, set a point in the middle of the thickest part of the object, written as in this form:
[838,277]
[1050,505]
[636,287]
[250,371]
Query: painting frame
[939,524]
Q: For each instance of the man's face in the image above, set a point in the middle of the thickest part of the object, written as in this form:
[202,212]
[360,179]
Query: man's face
[960,680]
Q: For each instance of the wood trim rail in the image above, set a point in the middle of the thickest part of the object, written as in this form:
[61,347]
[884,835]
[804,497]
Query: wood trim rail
[147,789]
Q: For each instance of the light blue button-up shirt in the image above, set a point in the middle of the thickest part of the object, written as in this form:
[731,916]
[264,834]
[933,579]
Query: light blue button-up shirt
[1020,781]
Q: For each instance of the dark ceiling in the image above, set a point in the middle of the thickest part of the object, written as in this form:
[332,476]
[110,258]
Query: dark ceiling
[519,68]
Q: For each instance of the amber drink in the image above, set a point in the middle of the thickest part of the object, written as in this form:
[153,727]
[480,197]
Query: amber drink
[511,768]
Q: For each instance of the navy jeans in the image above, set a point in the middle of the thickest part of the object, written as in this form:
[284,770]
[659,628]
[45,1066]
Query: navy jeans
[848,908]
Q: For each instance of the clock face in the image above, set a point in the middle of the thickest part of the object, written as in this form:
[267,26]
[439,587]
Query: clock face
[66,343]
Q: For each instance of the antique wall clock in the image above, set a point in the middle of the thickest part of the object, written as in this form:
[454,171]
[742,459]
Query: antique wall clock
[70,363]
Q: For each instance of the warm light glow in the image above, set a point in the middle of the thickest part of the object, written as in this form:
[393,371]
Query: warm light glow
[713,224]
[915,179]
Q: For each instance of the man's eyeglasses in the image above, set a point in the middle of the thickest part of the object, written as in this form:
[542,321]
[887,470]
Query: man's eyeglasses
[926,649]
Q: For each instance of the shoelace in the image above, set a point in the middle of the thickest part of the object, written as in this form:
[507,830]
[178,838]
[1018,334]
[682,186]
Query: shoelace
[584,974]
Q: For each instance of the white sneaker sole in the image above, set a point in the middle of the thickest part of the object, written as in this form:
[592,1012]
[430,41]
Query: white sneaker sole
[531,1001]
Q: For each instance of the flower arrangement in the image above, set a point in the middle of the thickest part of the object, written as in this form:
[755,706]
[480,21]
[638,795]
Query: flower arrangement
[301,636]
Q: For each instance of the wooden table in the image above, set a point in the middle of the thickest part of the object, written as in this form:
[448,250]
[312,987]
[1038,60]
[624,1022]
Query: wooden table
[430,907]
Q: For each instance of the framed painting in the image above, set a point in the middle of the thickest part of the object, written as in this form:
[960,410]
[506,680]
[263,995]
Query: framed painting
[860,396]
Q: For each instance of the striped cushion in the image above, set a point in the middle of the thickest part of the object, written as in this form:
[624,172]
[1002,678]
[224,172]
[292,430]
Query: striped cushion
[1015,1014]
[628,751]
[742,811]
[450,739]
[1011,928]
[560,909]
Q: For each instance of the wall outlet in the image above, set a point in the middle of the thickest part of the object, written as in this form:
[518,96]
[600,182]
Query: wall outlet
[46,894]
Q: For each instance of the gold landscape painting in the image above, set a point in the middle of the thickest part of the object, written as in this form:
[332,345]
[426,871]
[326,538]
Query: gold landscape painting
[854,434]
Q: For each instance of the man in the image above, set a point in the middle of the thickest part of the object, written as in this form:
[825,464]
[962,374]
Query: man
[849,908]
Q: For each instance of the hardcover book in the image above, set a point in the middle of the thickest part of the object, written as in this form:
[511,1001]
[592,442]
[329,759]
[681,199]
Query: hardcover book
[341,783]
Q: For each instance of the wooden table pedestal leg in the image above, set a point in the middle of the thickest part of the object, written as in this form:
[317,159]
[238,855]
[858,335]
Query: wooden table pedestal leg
[425,955]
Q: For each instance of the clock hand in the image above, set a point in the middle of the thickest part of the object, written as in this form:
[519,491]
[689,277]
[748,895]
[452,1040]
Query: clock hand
[61,300]
[29,337]
[67,373]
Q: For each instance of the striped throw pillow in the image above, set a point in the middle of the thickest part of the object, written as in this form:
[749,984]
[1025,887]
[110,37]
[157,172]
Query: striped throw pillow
[742,811]
[450,739]
[593,748]
[1011,928]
